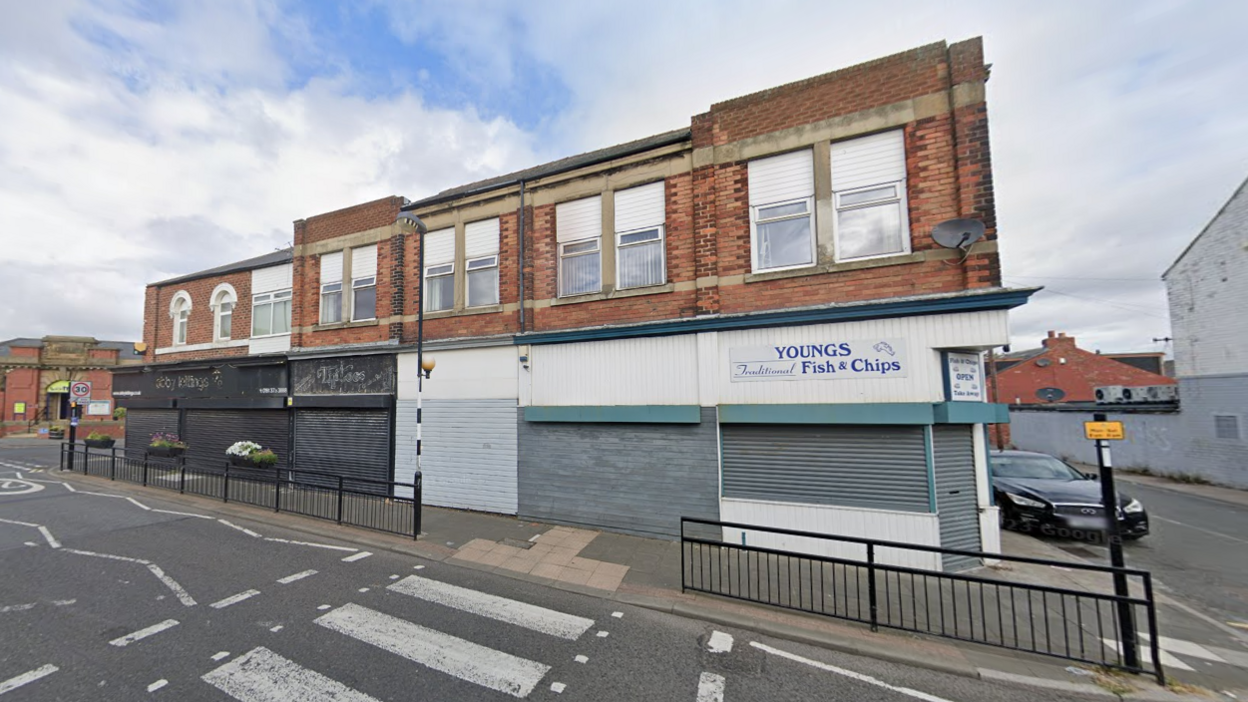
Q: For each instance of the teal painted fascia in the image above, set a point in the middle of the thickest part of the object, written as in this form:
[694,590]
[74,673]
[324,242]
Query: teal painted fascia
[929,453]
[972,413]
[860,413]
[623,414]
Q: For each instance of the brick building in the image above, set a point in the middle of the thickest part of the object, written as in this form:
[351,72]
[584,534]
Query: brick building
[35,375]
[762,281]
[1032,376]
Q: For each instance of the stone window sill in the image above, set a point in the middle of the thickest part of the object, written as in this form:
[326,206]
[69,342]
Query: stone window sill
[346,325]
[822,268]
[465,312]
[614,294]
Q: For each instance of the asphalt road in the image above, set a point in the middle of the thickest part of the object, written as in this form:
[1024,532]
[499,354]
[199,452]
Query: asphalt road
[139,595]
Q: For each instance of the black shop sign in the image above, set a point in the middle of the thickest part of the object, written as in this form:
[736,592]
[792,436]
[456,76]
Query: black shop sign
[348,375]
[223,381]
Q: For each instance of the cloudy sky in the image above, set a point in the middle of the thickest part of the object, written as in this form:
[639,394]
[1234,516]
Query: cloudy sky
[142,140]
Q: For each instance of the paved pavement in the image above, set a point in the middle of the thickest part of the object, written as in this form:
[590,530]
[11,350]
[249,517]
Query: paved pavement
[113,592]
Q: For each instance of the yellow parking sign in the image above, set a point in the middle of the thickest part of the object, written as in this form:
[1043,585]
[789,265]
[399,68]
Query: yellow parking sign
[1105,431]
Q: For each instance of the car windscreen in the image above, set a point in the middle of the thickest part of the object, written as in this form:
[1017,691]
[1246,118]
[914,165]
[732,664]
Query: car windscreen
[1033,468]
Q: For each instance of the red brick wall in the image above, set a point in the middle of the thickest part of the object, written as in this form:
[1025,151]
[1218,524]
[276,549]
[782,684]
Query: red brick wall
[349,220]
[158,325]
[21,385]
[1078,377]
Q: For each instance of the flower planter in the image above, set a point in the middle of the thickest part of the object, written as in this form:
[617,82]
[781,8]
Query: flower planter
[165,451]
[100,443]
[241,461]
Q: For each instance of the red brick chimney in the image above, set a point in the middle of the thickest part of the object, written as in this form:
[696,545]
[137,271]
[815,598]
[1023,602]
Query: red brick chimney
[1058,339]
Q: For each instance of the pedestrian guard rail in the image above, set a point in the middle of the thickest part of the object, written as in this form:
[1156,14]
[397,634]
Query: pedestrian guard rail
[869,581]
[372,504]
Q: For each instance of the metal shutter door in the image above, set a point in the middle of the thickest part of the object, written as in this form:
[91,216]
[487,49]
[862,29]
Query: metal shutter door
[956,499]
[142,423]
[350,443]
[469,453]
[210,432]
[882,467]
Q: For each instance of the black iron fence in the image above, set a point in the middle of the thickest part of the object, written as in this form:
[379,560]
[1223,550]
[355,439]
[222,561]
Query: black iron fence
[887,584]
[372,504]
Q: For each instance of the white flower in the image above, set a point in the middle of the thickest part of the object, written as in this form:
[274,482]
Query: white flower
[243,449]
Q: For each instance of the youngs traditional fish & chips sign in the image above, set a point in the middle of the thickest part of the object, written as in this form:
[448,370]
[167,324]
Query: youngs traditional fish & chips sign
[872,358]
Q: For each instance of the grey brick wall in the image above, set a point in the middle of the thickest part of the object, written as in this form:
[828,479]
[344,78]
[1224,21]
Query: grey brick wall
[632,478]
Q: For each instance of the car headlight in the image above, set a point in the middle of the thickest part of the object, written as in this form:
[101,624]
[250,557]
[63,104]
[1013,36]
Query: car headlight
[1025,501]
[1133,507]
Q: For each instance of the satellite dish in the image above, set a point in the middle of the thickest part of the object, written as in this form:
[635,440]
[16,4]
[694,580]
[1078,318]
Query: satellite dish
[1043,362]
[958,233]
[1051,394]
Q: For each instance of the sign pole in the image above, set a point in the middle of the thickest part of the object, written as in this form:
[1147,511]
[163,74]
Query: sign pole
[1109,499]
[73,432]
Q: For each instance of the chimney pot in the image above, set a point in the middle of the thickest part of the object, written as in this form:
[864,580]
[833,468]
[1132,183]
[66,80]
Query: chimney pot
[1052,334]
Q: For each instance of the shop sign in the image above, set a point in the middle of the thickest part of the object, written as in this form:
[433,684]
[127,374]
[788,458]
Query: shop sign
[965,376]
[822,360]
[350,375]
[59,386]
[225,381]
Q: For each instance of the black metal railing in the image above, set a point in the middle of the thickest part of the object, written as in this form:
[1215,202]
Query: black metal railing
[902,586]
[372,504]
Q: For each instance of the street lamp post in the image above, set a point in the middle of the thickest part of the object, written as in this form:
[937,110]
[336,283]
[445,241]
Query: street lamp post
[424,368]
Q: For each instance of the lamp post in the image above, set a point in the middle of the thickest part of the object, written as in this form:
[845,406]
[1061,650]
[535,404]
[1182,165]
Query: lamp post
[424,368]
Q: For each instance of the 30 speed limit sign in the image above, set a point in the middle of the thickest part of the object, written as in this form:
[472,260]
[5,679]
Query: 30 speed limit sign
[79,391]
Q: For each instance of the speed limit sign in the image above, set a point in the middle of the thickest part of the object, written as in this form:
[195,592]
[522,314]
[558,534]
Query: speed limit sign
[79,391]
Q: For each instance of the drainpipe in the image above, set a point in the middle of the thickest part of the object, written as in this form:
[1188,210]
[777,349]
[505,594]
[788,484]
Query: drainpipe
[521,237]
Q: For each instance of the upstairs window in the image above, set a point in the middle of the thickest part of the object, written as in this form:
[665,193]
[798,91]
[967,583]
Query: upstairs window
[364,283]
[639,236]
[270,313]
[180,311]
[439,270]
[481,252]
[578,231]
[782,216]
[869,190]
[331,288]
[223,299]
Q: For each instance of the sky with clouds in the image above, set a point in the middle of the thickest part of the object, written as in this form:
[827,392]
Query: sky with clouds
[142,140]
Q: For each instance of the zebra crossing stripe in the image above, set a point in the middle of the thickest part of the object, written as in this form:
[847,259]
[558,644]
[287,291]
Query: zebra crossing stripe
[546,621]
[261,675]
[444,653]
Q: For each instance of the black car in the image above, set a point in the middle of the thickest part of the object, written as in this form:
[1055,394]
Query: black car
[1037,492]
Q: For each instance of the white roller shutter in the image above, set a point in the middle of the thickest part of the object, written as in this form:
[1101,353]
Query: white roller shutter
[481,238]
[440,247]
[870,160]
[579,219]
[331,267]
[780,178]
[363,262]
[639,208]
[469,452]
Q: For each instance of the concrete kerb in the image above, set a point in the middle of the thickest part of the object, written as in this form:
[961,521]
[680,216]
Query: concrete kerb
[886,650]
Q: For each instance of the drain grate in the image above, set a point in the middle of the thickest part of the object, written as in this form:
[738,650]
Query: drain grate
[517,543]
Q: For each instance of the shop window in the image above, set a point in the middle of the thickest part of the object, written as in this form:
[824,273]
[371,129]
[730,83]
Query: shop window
[869,190]
[782,217]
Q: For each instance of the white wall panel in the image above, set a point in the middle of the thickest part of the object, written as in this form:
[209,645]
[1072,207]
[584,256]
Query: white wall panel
[269,344]
[270,279]
[636,208]
[578,219]
[906,527]
[652,371]
[481,238]
[463,374]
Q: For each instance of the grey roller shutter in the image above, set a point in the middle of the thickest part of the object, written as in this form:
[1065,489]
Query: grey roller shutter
[956,500]
[881,467]
[142,423]
[209,433]
[349,442]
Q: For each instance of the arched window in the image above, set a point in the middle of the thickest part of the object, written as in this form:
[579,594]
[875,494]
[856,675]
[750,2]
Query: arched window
[180,311]
[223,300]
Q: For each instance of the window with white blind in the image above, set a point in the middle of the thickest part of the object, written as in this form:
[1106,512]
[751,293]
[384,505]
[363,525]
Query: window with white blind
[869,194]
[782,212]
[639,236]
[364,283]
[331,288]
[439,270]
[578,230]
[270,313]
[481,262]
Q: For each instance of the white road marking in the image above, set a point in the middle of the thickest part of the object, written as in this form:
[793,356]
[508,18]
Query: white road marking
[547,621]
[394,577]
[276,629]
[234,599]
[297,576]
[1167,659]
[720,642]
[418,567]
[183,596]
[617,615]
[30,543]
[849,674]
[558,688]
[19,475]
[47,535]
[69,487]
[357,557]
[138,504]
[183,514]
[144,633]
[1207,531]
[27,677]
[222,654]
[17,487]
[1186,648]
[324,607]
[245,530]
[710,688]
[62,603]
[157,685]
[363,589]
[109,556]
[261,675]
[602,634]
[442,652]
[582,659]
[531,538]
[17,608]
[102,494]
[308,543]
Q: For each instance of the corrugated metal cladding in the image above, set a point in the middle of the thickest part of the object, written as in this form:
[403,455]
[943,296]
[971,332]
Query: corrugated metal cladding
[142,423]
[468,455]
[632,478]
[353,443]
[788,176]
[209,433]
[871,160]
[956,499]
[881,467]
